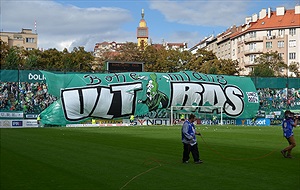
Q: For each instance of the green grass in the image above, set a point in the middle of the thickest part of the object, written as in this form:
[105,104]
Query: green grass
[234,157]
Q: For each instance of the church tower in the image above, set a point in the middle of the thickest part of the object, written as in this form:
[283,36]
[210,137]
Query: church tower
[142,33]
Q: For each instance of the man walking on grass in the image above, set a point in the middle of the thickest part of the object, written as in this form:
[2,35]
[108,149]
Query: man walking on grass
[188,137]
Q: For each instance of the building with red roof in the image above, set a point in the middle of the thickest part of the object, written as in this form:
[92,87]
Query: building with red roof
[268,31]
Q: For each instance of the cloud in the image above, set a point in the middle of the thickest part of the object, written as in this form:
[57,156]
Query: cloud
[61,25]
[202,13]
[65,26]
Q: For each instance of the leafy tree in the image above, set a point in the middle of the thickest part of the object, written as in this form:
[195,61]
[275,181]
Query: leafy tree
[161,64]
[31,62]
[271,60]
[170,60]
[207,62]
[51,59]
[185,59]
[262,70]
[67,60]
[31,59]
[3,53]
[229,67]
[294,67]
[198,59]
[129,52]
[150,57]
[13,60]
[210,67]
[81,60]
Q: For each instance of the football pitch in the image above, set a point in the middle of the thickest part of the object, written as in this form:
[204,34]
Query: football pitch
[90,158]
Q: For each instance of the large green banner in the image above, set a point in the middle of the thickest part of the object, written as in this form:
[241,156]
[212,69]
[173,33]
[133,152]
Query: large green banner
[146,94]
[21,76]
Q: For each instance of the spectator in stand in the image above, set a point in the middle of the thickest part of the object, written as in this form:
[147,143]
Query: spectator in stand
[277,99]
[29,97]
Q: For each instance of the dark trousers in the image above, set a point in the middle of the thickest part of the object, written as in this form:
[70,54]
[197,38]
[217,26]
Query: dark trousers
[187,148]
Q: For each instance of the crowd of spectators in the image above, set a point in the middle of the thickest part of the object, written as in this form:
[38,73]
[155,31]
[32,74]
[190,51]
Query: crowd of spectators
[278,99]
[24,96]
[33,97]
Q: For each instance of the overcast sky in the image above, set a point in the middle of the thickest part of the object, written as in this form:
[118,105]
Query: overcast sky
[73,23]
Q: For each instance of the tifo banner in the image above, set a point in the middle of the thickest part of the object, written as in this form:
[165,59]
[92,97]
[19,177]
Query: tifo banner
[145,94]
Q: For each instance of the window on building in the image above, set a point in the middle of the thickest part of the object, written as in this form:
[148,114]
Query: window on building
[281,55]
[280,44]
[252,58]
[292,31]
[292,43]
[269,33]
[252,46]
[252,34]
[29,40]
[268,44]
[281,32]
[292,55]
[28,49]
[239,49]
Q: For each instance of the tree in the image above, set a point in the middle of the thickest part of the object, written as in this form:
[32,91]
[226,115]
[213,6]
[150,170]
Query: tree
[13,60]
[294,67]
[51,59]
[3,53]
[210,67]
[198,59]
[150,57]
[129,52]
[207,62]
[262,70]
[170,60]
[67,60]
[271,60]
[229,67]
[81,60]
[31,59]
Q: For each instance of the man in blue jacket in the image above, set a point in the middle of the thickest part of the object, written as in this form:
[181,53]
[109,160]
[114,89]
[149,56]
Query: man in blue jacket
[188,137]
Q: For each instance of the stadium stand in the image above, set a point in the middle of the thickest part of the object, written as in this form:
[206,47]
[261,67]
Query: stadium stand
[26,97]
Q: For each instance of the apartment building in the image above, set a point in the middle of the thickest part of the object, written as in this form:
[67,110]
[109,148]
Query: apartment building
[220,44]
[205,44]
[268,31]
[25,39]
